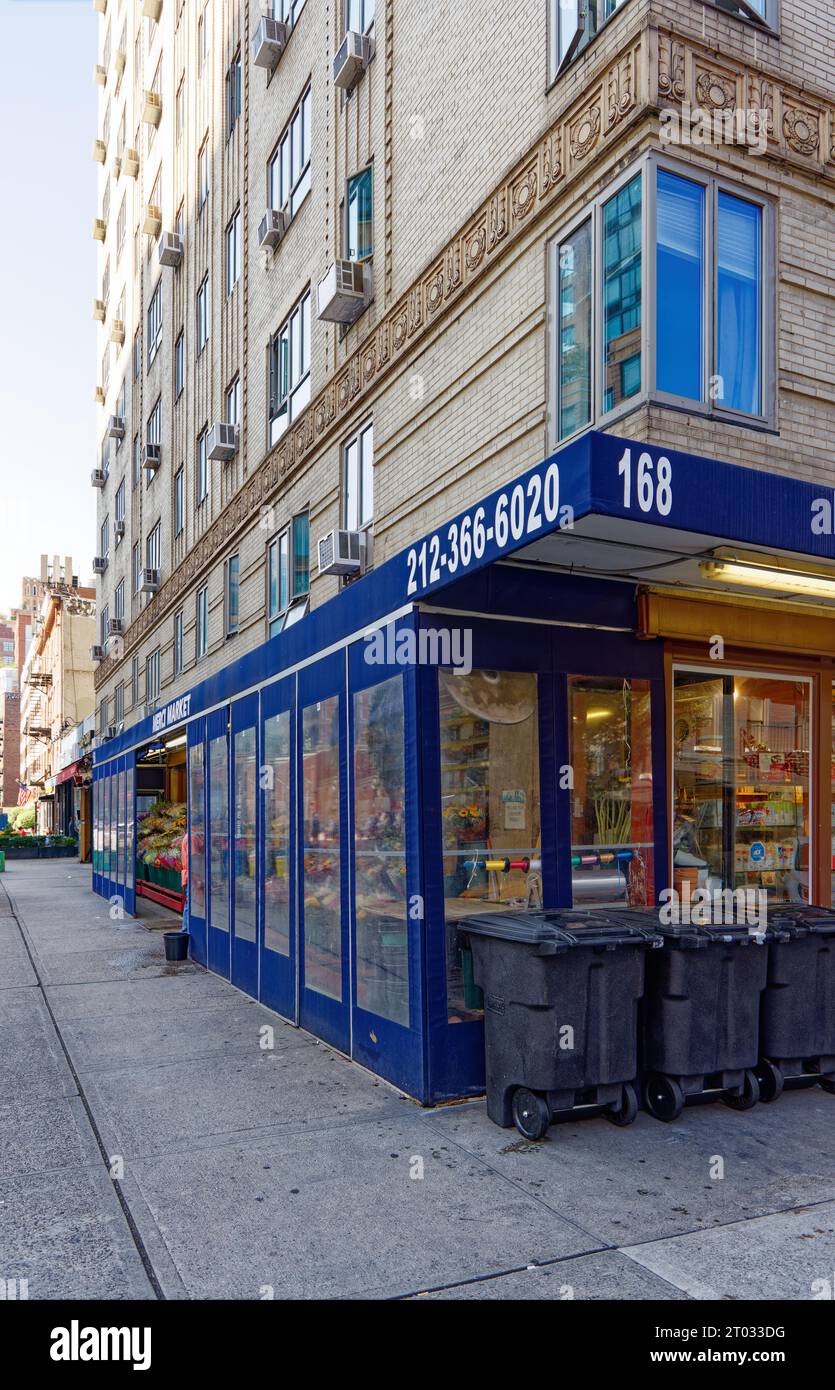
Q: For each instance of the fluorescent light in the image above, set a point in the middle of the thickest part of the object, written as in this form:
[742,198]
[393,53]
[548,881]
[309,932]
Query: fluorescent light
[771,572]
[177,742]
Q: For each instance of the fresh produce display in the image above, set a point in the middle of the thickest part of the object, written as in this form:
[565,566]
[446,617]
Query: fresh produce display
[160,834]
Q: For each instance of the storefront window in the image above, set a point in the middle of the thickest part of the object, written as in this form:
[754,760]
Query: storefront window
[741,761]
[96,785]
[277,834]
[382,950]
[322,904]
[197,841]
[245,786]
[130,868]
[219,830]
[832,811]
[120,830]
[489,808]
[611,791]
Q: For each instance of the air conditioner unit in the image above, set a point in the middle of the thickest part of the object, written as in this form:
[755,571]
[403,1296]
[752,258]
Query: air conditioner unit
[149,708]
[100,74]
[100,6]
[152,456]
[151,108]
[115,626]
[351,60]
[99,310]
[99,564]
[341,552]
[222,442]
[119,61]
[98,477]
[170,250]
[152,9]
[117,332]
[116,427]
[99,229]
[99,151]
[97,653]
[272,227]
[343,292]
[130,163]
[150,582]
[99,395]
[111,731]
[152,226]
[119,531]
[269,43]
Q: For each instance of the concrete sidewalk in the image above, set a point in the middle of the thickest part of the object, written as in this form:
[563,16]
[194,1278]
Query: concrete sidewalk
[240,1172]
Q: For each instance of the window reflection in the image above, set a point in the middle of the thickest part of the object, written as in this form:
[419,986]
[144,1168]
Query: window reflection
[622,294]
[245,784]
[197,823]
[219,827]
[277,834]
[322,902]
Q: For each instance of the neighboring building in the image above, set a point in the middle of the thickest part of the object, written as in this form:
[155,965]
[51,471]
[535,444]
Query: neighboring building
[601,232]
[56,689]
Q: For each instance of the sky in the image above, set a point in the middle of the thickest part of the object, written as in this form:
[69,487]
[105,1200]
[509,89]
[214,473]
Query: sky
[47,285]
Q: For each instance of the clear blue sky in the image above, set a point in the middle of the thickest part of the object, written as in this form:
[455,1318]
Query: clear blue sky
[47,285]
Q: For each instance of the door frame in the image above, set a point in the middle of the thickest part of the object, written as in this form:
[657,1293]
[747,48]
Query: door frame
[244,955]
[278,975]
[218,942]
[197,926]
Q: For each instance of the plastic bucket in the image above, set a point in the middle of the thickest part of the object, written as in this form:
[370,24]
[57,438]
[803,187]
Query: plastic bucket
[176,945]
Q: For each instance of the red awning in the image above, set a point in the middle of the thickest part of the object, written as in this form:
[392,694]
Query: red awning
[66,773]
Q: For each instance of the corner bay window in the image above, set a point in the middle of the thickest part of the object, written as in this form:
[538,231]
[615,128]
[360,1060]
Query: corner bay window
[708,344]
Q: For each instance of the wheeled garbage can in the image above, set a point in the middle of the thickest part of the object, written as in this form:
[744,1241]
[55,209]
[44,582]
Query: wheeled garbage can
[797,1019]
[561,999]
[701,1017]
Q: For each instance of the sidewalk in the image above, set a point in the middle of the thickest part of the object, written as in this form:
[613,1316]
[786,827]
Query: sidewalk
[241,1171]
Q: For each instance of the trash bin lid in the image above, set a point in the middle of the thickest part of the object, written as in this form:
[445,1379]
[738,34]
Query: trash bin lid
[526,928]
[566,928]
[797,920]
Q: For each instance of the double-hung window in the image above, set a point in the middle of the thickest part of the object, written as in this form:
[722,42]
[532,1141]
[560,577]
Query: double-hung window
[202,467]
[233,93]
[104,539]
[104,624]
[289,168]
[155,323]
[134,681]
[358,479]
[152,677]
[153,547]
[232,594]
[137,566]
[233,252]
[232,411]
[201,632]
[761,11]
[179,502]
[203,314]
[154,435]
[119,600]
[289,366]
[663,291]
[574,23]
[287,10]
[178,642]
[202,176]
[135,462]
[288,574]
[179,365]
[359,206]
[119,510]
[359,16]
[119,703]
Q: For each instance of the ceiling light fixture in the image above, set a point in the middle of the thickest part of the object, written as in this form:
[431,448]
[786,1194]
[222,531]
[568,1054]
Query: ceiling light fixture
[770,572]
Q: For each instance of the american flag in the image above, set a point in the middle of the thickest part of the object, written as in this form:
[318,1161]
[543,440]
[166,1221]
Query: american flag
[24,794]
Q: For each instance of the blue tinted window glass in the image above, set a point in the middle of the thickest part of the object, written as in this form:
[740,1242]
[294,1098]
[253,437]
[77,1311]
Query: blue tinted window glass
[622,289]
[738,304]
[680,285]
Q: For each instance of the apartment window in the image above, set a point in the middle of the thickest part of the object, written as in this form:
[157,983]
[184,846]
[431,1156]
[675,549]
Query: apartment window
[287,10]
[152,677]
[202,176]
[105,457]
[137,58]
[137,354]
[119,600]
[202,468]
[289,369]
[119,704]
[201,632]
[156,86]
[179,502]
[289,168]
[104,623]
[359,479]
[121,228]
[710,346]
[134,681]
[761,11]
[180,110]
[105,369]
[574,23]
[179,365]
[359,15]
[153,547]
[232,591]
[178,642]
[155,323]
[233,252]
[103,708]
[154,434]
[288,574]
[104,539]
[203,315]
[137,567]
[233,92]
[359,242]
[105,283]
[135,461]
[202,39]
[232,413]
[120,501]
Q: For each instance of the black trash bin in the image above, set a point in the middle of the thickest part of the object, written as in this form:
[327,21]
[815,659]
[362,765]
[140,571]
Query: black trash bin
[797,1019]
[561,997]
[701,1016]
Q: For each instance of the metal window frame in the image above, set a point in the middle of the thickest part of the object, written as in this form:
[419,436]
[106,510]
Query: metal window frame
[356,438]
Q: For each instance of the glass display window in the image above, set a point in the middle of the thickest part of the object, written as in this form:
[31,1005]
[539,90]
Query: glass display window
[490,816]
[246,775]
[382,948]
[219,831]
[742,782]
[197,823]
[322,883]
[277,834]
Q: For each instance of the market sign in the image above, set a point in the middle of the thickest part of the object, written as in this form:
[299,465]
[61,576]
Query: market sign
[171,714]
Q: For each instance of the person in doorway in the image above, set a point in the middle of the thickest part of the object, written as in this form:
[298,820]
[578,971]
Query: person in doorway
[184,878]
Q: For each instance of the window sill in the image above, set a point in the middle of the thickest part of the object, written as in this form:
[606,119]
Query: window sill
[760,26]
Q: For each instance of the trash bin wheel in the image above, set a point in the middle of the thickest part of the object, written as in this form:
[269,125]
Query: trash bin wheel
[769,1079]
[531,1113]
[747,1098]
[626,1109]
[828,1084]
[664,1096]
